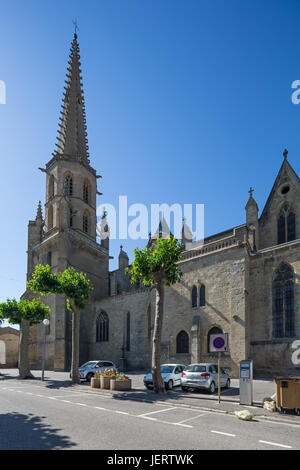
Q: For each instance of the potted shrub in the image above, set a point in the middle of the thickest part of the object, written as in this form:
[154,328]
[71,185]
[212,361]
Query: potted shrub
[95,381]
[106,377]
[121,383]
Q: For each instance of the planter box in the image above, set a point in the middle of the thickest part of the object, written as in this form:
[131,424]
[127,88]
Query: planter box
[95,383]
[121,385]
[105,382]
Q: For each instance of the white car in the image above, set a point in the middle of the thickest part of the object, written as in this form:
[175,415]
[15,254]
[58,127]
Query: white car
[171,374]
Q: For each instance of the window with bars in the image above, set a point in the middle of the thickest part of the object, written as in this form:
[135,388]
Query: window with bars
[286,226]
[85,223]
[102,328]
[182,342]
[69,185]
[86,192]
[283,302]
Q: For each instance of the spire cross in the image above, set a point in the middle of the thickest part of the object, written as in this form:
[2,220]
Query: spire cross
[75,26]
[285,154]
[251,191]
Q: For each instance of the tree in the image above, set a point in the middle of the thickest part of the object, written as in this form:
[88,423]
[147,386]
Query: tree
[76,288]
[157,266]
[25,313]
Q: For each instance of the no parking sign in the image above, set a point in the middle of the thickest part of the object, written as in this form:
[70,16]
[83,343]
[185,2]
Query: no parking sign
[218,343]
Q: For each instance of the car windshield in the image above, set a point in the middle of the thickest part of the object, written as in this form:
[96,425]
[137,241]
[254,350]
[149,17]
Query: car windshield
[166,369]
[195,368]
[89,364]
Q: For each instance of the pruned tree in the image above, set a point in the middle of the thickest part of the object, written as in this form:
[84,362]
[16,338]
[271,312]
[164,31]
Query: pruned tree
[76,288]
[157,266]
[25,313]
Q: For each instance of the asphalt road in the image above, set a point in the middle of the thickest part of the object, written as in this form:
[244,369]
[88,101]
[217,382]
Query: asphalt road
[39,417]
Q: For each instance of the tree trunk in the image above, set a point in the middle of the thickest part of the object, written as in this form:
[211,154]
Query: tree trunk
[158,383]
[75,343]
[24,370]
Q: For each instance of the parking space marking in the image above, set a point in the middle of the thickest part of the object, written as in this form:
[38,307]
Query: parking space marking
[276,444]
[194,417]
[224,433]
[165,422]
[159,411]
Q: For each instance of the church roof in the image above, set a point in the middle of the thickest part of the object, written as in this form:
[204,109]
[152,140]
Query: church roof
[286,172]
[72,135]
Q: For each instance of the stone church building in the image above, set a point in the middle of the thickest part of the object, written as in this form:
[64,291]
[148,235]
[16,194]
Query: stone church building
[243,281]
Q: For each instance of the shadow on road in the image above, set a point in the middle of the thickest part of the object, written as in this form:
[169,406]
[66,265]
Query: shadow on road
[20,431]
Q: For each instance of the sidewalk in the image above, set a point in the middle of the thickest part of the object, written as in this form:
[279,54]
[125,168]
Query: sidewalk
[197,400]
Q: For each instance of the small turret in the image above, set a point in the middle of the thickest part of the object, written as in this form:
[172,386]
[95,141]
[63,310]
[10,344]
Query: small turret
[186,235]
[252,221]
[104,231]
[123,259]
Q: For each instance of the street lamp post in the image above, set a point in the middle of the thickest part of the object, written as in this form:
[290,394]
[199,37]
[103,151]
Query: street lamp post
[46,322]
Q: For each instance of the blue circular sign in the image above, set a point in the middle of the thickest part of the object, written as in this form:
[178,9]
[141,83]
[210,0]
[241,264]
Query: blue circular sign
[218,342]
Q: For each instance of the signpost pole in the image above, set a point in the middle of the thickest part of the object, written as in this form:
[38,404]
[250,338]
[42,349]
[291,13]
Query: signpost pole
[219,381]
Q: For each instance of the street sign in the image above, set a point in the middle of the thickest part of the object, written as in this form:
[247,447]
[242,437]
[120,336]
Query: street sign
[218,343]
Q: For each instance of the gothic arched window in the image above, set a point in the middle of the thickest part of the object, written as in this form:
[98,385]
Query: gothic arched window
[50,218]
[213,331]
[283,302]
[286,225]
[85,222]
[51,186]
[102,329]
[182,342]
[194,296]
[202,296]
[68,185]
[86,191]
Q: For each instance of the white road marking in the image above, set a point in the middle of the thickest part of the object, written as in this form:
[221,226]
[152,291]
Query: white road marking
[100,408]
[81,404]
[122,412]
[194,417]
[165,422]
[159,411]
[224,433]
[276,444]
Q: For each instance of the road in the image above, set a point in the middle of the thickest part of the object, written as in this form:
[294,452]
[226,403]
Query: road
[39,417]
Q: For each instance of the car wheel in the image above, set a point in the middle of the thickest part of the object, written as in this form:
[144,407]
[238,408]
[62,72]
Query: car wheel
[184,389]
[212,388]
[169,385]
[148,387]
[228,383]
[89,376]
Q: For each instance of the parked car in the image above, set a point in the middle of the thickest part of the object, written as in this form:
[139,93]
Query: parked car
[203,376]
[171,374]
[90,368]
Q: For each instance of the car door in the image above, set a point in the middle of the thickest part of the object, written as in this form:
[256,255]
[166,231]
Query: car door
[224,377]
[177,375]
[213,370]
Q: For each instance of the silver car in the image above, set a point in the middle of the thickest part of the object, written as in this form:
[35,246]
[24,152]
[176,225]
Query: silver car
[90,368]
[203,376]
[171,374]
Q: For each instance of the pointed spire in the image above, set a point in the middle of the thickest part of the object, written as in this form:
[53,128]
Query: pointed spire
[39,214]
[72,135]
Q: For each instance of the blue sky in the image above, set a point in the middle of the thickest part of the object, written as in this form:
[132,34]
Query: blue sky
[187,101]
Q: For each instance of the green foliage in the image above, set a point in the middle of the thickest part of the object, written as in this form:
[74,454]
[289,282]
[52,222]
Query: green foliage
[34,311]
[73,284]
[162,258]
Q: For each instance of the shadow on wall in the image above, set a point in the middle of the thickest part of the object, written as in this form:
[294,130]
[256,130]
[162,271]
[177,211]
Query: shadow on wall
[32,433]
